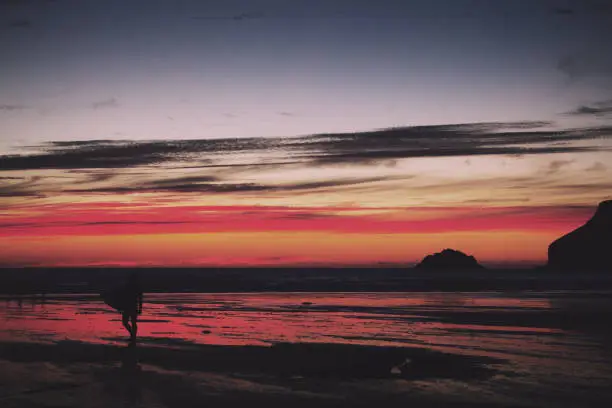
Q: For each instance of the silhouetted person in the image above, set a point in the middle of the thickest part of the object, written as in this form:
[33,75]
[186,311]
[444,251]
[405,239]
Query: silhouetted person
[128,301]
[132,305]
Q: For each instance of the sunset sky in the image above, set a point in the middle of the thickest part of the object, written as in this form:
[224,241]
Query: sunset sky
[299,132]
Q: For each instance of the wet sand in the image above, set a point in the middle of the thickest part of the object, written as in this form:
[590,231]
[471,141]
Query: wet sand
[418,349]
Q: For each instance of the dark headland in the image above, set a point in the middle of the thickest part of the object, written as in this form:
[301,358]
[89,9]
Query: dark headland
[587,248]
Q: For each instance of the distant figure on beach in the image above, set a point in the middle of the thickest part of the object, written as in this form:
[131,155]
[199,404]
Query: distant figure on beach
[128,301]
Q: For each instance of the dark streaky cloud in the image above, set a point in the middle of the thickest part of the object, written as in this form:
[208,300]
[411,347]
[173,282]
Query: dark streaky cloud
[602,108]
[354,148]
[23,188]
[182,185]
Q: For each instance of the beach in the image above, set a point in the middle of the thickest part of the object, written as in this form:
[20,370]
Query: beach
[527,348]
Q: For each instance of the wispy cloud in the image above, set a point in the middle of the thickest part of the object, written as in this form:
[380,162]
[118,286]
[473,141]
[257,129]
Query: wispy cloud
[94,176]
[556,165]
[597,167]
[584,7]
[22,23]
[564,11]
[105,104]
[450,140]
[522,138]
[22,188]
[602,108]
[577,67]
[254,15]
[204,185]
[10,107]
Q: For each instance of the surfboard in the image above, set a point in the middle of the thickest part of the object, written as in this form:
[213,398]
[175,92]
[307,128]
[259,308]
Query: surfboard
[114,298]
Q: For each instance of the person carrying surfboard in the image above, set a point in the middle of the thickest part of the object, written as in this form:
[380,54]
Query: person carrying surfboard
[133,305]
[128,301]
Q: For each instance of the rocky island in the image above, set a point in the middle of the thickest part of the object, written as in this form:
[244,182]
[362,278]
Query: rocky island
[449,259]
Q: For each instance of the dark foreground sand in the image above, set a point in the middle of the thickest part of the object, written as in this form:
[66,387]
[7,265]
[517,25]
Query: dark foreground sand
[75,374]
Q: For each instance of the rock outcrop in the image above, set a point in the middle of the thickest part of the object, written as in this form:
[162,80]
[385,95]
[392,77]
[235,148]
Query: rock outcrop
[588,247]
[449,259]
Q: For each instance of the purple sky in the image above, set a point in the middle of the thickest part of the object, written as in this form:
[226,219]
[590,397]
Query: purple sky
[81,70]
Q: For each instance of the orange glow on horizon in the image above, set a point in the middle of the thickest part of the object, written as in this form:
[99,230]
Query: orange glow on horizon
[271,248]
[90,234]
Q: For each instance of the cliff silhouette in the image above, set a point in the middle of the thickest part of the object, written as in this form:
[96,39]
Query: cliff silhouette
[588,247]
[449,259]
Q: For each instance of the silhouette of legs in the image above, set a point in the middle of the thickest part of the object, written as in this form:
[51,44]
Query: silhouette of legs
[126,323]
[134,332]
